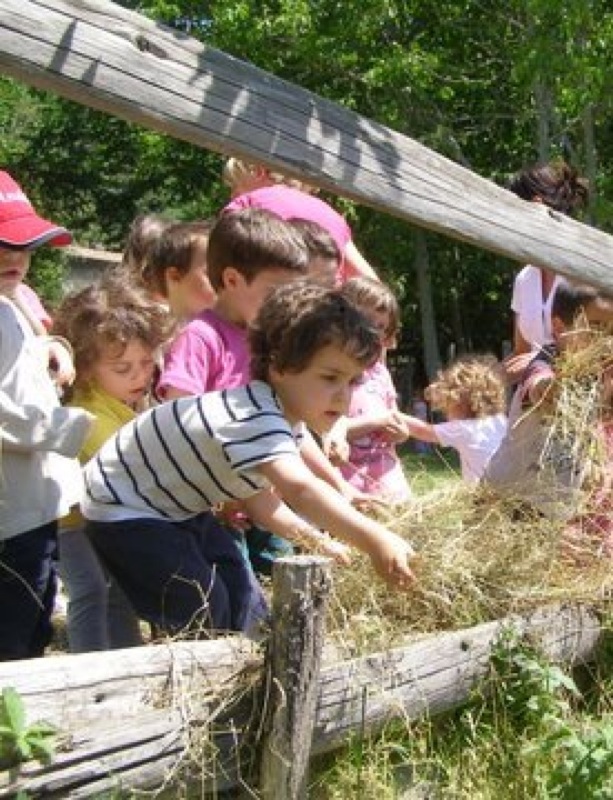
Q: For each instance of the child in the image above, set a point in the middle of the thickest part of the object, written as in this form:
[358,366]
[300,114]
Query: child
[324,255]
[145,230]
[254,186]
[151,487]
[40,478]
[534,463]
[250,252]
[115,332]
[471,394]
[373,426]
[176,268]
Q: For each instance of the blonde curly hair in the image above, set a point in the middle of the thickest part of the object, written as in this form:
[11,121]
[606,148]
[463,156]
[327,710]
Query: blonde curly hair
[474,382]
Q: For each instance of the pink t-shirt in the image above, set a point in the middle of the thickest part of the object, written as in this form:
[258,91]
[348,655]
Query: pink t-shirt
[290,203]
[32,301]
[374,467]
[209,353]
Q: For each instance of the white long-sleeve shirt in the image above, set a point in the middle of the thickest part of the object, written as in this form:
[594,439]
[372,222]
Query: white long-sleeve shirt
[39,476]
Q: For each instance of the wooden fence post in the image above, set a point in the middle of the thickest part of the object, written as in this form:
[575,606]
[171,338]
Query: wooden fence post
[300,589]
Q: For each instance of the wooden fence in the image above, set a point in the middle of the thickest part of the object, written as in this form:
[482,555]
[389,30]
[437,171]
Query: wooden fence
[104,56]
[227,712]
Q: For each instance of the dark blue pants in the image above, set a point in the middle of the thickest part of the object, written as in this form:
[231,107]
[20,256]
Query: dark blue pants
[27,592]
[181,575]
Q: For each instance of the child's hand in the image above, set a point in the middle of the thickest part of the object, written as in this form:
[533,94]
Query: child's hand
[61,364]
[394,428]
[232,515]
[391,561]
[335,444]
[340,552]
[514,366]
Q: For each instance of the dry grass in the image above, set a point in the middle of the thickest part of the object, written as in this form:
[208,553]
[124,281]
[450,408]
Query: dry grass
[482,557]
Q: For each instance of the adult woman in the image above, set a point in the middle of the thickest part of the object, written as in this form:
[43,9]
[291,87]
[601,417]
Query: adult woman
[558,186]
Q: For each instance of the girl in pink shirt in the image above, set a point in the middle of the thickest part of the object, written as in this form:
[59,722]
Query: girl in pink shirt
[373,426]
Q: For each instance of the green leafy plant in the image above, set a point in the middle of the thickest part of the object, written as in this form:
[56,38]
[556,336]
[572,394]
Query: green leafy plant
[20,742]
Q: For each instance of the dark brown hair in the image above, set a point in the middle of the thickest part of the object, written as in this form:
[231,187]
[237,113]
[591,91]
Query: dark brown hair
[572,299]
[252,241]
[300,318]
[175,247]
[556,184]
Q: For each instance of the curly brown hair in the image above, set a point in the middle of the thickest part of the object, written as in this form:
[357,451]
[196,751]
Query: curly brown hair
[475,382]
[300,318]
[106,315]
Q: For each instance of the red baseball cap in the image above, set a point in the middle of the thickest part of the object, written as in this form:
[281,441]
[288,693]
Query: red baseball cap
[20,225]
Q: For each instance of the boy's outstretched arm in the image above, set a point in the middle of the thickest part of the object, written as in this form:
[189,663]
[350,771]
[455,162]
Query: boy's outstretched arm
[320,504]
[269,511]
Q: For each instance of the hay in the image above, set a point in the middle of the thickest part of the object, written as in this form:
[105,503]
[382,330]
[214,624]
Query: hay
[482,557]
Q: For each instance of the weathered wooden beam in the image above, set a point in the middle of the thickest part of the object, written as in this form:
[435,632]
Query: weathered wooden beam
[160,709]
[114,60]
[136,718]
[301,586]
[438,673]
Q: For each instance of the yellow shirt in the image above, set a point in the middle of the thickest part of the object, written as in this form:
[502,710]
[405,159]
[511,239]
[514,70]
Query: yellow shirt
[110,415]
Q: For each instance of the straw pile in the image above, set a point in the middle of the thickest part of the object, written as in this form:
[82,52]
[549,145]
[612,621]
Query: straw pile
[482,557]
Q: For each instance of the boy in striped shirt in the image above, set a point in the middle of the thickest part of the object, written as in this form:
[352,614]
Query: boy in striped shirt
[151,488]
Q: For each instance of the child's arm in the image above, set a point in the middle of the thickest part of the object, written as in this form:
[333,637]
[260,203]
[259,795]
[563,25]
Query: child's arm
[419,429]
[390,423]
[314,499]
[29,428]
[268,510]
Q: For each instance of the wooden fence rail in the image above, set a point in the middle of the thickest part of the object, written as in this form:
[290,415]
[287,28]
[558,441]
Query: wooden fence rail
[104,56]
[140,718]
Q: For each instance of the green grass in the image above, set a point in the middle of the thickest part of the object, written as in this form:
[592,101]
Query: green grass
[430,471]
[527,732]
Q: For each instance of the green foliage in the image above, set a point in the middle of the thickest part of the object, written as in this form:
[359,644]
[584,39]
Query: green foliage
[521,735]
[20,742]
[47,273]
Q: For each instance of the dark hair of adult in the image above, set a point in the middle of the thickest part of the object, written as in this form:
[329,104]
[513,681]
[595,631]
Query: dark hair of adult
[556,184]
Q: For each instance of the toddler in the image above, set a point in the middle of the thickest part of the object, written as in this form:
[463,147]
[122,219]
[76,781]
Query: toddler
[176,269]
[373,425]
[40,478]
[471,394]
[115,332]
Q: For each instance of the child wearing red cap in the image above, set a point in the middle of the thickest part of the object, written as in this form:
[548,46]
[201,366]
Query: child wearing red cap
[40,477]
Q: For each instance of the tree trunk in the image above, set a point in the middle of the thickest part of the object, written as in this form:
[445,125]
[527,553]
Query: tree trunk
[432,356]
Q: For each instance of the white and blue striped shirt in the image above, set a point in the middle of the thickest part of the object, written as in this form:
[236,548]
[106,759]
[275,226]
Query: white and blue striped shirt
[185,456]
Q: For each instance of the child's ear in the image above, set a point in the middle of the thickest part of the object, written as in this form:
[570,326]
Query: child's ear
[231,278]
